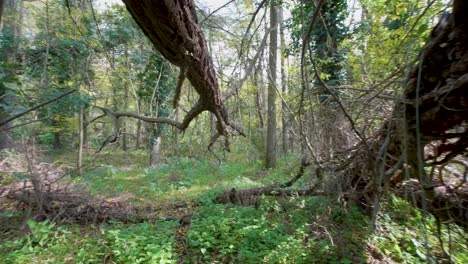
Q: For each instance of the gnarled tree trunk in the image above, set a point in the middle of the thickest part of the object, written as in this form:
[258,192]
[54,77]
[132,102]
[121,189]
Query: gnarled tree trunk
[172,26]
[435,104]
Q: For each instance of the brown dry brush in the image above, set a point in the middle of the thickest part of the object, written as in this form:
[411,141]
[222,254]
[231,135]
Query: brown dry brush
[433,112]
[49,194]
[78,207]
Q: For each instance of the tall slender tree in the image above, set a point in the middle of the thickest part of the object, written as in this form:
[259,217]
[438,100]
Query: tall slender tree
[9,34]
[271,144]
[284,84]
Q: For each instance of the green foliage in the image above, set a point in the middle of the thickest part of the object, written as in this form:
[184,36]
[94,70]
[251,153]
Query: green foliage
[145,243]
[325,43]
[405,235]
[390,37]
[332,29]
[47,243]
[280,231]
[240,234]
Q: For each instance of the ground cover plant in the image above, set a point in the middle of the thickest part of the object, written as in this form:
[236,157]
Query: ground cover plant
[277,230]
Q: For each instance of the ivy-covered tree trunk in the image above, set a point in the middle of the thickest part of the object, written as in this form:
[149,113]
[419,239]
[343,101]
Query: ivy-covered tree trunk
[9,32]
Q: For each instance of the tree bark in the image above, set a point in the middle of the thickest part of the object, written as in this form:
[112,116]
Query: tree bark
[10,30]
[57,144]
[155,149]
[138,135]
[173,28]
[259,97]
[85,128]
[176,135]
[271,144]
[79,161]
[124,128]
[284,84]
[436,90]
[2,4]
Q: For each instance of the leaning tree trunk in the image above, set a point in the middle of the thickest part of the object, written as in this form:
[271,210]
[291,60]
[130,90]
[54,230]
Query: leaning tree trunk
[173,28]
[435,104]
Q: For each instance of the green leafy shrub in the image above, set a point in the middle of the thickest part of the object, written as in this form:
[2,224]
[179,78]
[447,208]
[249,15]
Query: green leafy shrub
[145,243]
[405,234]
[241,235]
[46,243]
[279,231]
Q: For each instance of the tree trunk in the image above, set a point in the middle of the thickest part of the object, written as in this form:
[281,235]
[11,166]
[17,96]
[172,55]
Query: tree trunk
[155,149]
[85,128]
[125,123]
[124,127]
[284,83]
[79,160]
[435,105]
[6,139]
[57,144]
[138,135]
[10,30]
[172,26]
[2,4]
[271,144]
[176,135]
[259,97]
[138,128]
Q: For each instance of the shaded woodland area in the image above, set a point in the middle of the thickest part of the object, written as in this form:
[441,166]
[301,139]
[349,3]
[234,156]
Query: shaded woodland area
[245,132]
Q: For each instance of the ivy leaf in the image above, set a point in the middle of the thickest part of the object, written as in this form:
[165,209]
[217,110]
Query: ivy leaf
[422,29]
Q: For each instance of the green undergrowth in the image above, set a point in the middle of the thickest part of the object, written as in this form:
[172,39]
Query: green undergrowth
[279,230]
[112,243]
[406,235]
[181,179]
[284,230]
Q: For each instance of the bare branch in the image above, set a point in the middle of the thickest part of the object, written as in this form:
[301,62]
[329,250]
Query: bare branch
[3,122]
[237,85]
[23,124]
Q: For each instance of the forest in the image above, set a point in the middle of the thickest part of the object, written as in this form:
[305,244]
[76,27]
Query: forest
[233,131]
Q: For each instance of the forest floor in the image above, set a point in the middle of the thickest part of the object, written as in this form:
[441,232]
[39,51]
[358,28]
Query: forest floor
[177,220]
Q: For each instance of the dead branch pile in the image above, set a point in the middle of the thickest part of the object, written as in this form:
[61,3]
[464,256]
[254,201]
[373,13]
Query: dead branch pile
[46,193]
